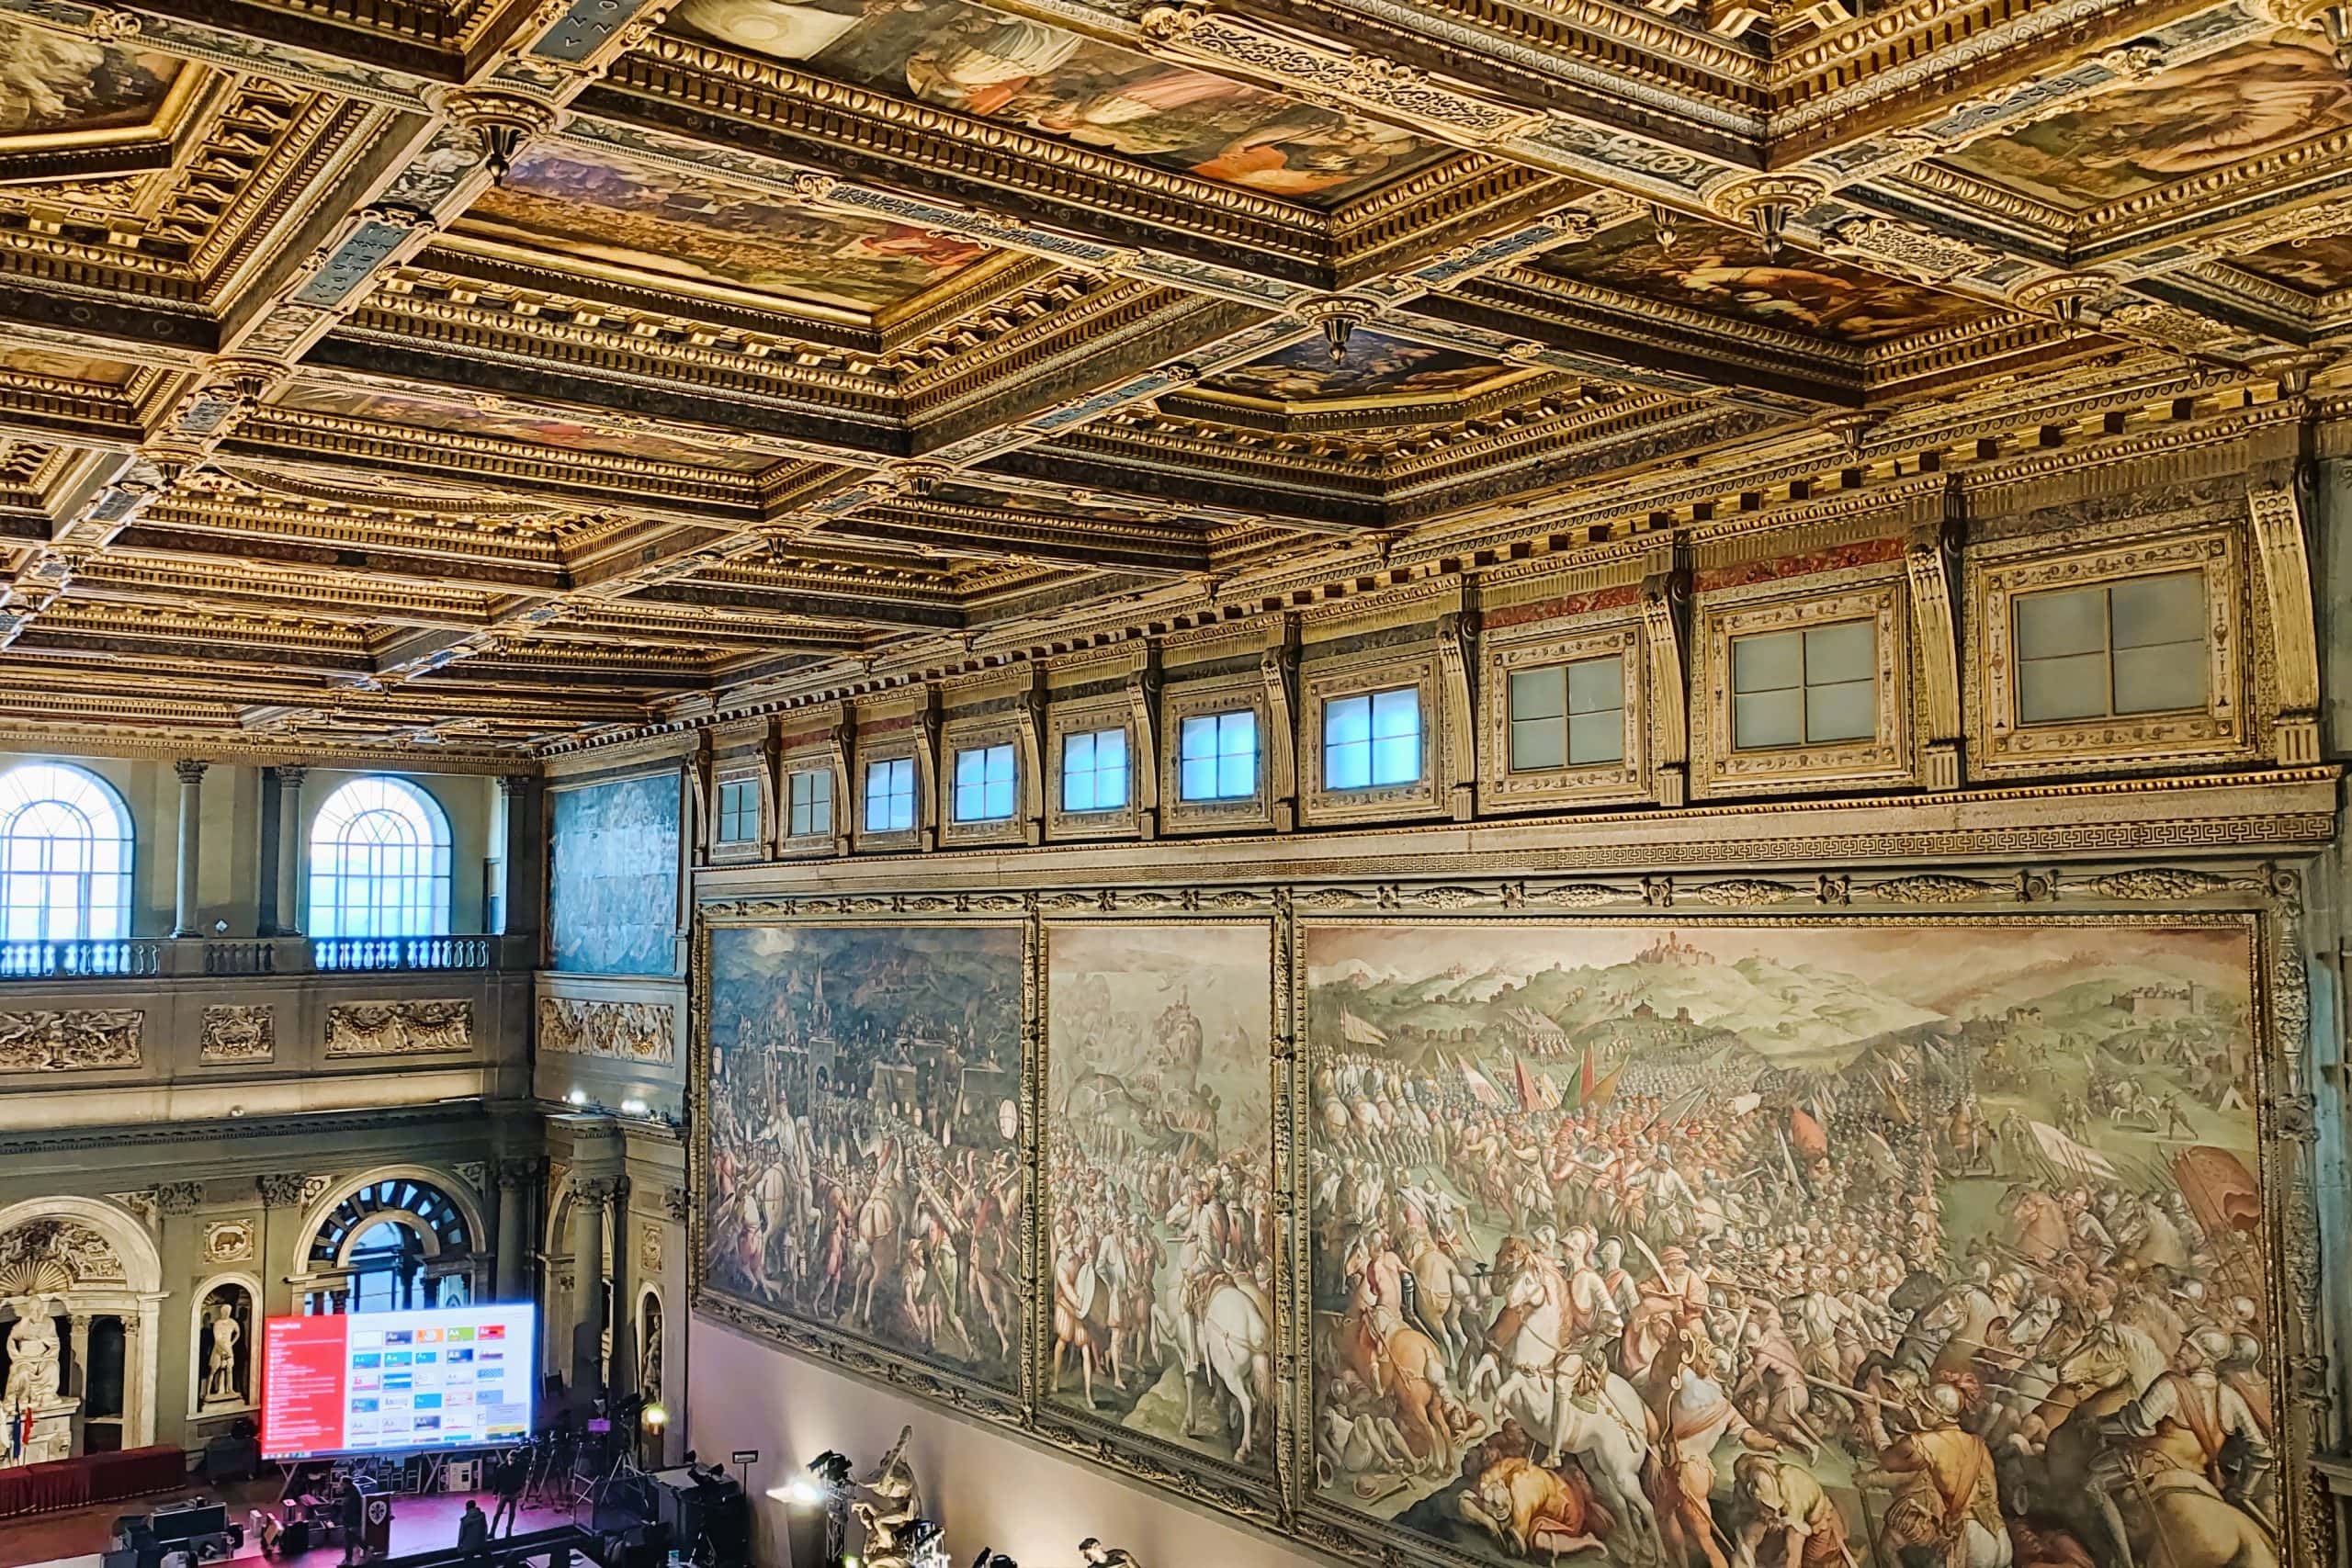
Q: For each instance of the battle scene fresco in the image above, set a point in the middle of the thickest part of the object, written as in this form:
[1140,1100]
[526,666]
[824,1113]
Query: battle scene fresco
[683,228]
[2256,99]
[55,85]
[613,876]
[1923,1246]
[1160,1216]
[1725,272]
[864,1125]
[1374,366]
[1048,80]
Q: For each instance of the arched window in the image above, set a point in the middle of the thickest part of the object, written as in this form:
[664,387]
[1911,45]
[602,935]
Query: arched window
[380,861]
[64,855]
[372,1253]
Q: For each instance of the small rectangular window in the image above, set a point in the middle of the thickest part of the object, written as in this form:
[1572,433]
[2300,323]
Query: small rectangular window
[1372,740]
[738,811]
[1567,716]
[2129,648]
[984,784]
[811,803]
[1094,771]
[891,796]
[1804,688]
[1217,756]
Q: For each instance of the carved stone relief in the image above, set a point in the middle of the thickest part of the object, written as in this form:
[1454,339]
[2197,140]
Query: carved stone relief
[229,1241]
[400,1029]
[235,1034]
[70,1040]
[628,1031]
[50,1257]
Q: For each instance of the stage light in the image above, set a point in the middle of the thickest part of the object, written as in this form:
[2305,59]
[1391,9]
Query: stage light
[653,1418]
[801,1490]
[633,1107]
[577,1097]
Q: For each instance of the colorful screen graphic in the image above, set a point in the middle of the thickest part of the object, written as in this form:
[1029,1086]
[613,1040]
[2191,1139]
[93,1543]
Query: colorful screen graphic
[397,1382]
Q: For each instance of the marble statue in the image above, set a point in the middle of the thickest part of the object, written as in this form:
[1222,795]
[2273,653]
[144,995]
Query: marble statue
[32,1359]
[220,1381]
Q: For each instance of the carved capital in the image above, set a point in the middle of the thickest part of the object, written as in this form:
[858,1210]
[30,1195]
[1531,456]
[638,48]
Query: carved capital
[677,1202]
[179,1197]
[282,1191]
[190,770]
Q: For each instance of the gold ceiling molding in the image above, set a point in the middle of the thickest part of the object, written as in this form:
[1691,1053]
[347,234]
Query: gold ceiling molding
[1320,73]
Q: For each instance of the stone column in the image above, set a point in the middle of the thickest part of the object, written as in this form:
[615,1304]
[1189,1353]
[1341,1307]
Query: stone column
[191,773]
[589,1199]
[623,1375]
[139,1374]
[524,854]
[289,850]
[515,1180]
[77,1376]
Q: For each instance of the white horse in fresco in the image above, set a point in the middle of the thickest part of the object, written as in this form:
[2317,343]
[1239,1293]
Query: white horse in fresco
[1230,1342]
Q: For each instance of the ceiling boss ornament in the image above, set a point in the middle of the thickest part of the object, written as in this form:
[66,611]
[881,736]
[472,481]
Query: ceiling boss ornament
[1767,203]
[505,123]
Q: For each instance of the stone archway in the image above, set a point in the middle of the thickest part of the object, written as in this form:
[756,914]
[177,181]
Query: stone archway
[73,1272]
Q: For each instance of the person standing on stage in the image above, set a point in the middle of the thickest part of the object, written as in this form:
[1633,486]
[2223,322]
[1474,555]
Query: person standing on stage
[507,1479]
[351,1510]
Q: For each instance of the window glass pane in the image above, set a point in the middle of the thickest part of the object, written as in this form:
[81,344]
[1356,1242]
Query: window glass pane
[1347,719]
[1537,743]
[1237,776]
[1595,685]
[1197,778]
[1538,694]
[2052,626]
[971,767]
[1110,769]
[1597,737]
[1846,710]
[2169,678]
[1200,738]
[1774,661]
[1397,712]
[1347,765]
[2050,690]
[1842,652]
[1767,718]
[2151,610]
[1396,758]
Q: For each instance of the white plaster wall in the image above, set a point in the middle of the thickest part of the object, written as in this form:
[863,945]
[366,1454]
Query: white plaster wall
[987,1490]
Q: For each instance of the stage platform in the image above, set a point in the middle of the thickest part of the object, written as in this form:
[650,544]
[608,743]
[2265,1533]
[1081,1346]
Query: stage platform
[74,1538]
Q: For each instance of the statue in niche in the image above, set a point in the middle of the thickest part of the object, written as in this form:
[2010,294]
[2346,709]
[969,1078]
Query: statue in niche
[33,1356]
[648,1363]
[224,1347]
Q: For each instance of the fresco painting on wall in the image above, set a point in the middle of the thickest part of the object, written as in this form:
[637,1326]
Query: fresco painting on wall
[1792,1247]
[1160,1218]
[613,876]
[864,1123]
[1048,80]
[2257,97]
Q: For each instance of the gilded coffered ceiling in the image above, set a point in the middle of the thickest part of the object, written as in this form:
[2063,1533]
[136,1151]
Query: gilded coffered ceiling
[481,377]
